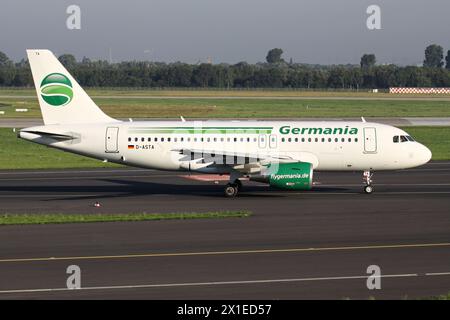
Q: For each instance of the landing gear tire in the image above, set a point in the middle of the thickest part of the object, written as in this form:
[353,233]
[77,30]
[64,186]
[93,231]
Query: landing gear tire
[368,189]
[231,190]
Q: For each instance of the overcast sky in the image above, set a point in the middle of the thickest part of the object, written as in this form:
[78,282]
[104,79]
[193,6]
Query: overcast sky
[309,31]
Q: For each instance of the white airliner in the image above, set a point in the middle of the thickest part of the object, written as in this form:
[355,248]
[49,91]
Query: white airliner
[283,154]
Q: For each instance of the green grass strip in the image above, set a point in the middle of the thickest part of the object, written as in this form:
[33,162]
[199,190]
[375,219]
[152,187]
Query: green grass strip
[441,297]
[57,218]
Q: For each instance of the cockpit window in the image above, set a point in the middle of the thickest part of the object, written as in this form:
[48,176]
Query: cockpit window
[398,139]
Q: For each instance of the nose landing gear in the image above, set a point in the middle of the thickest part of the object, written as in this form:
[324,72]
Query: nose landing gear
[367,178]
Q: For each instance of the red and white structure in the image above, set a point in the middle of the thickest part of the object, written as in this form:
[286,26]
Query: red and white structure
[403,90]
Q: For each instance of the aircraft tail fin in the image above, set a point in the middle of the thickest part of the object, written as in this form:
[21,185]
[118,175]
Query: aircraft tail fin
[61,98]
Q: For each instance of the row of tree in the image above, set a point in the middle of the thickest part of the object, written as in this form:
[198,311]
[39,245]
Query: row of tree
[274,73]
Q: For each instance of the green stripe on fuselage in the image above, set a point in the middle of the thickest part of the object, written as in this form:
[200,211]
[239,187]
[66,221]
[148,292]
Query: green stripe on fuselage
[201,130]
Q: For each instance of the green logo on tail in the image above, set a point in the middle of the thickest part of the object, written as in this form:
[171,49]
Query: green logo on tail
[56,90]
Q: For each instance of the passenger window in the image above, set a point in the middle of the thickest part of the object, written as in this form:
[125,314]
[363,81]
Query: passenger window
[162,139]
[149,139]
[356,139]
[156,139]
[135,139]
[129,139]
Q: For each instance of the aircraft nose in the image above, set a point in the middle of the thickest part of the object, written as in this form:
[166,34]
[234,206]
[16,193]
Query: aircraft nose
[425,154]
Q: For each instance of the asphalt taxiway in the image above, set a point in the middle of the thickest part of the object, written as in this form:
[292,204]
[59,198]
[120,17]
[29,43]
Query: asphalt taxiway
[296,245]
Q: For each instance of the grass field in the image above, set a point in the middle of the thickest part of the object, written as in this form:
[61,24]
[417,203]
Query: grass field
[58,218]
[20,219]
[441,297]
[19,154]
[198,103]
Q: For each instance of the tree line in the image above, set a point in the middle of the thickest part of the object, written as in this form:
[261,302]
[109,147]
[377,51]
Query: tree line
[274,73]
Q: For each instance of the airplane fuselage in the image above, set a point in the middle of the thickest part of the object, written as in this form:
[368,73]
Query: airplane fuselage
[328,145]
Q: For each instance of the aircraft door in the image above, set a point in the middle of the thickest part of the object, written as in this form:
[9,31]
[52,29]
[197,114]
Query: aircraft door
[111,140]
[370,140]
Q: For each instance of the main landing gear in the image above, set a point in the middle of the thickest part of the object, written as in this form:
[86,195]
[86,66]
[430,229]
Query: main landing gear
[367,177]
[232,189]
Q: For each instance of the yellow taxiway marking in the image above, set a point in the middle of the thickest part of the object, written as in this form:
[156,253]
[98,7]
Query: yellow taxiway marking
[217,253]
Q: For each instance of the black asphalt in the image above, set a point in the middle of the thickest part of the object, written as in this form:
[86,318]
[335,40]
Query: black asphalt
[296,245]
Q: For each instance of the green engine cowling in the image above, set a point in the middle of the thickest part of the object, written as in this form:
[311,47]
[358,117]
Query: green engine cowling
[292,176]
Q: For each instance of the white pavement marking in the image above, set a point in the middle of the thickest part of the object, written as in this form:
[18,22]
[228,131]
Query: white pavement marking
[438,274]
[425,170]
[356,192]
[388,184]
[216,283]
[213,283]
[14,172]
[50,195]
[86,177]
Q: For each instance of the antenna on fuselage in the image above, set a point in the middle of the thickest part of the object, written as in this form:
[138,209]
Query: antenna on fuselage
[182,119]
[363,120]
